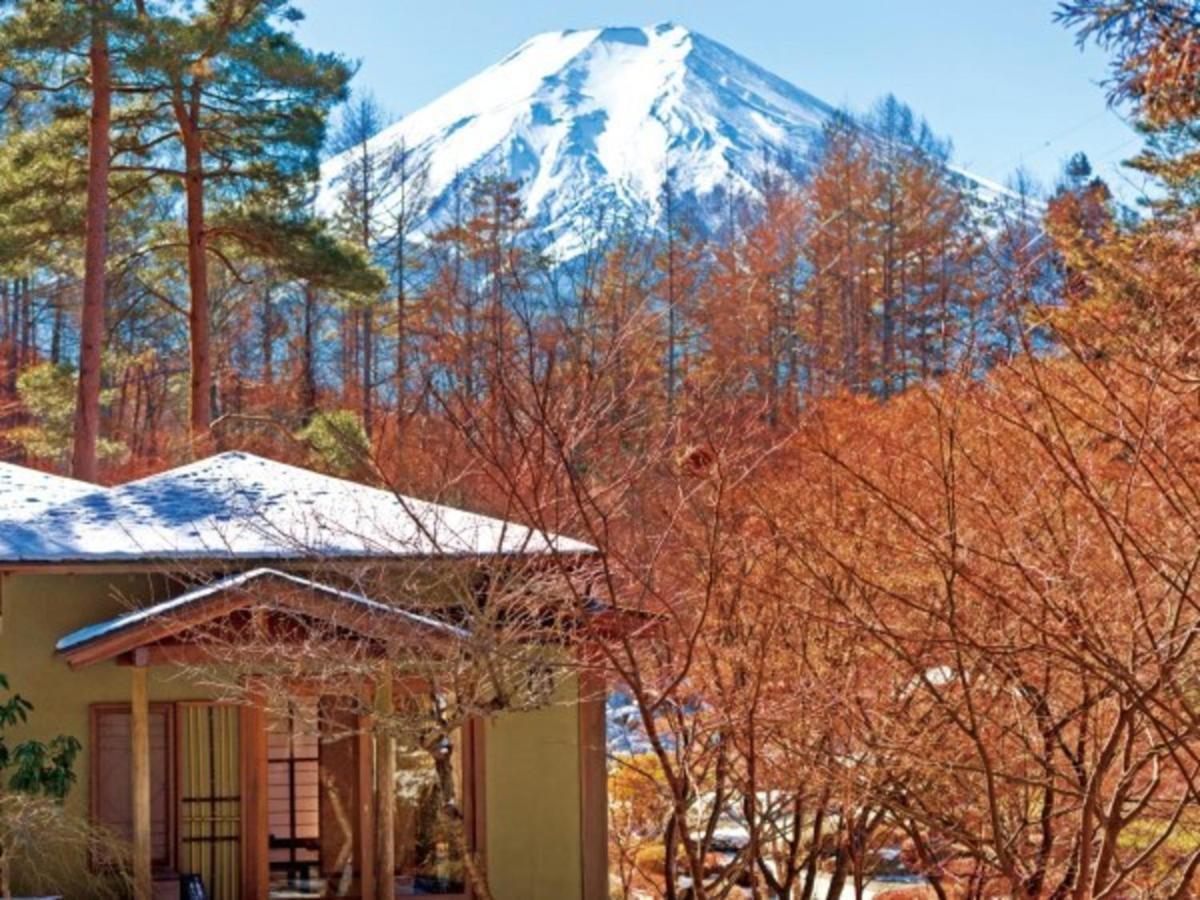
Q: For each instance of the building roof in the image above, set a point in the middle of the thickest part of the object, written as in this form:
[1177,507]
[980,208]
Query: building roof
[27,492]
[237,506]
[199,605]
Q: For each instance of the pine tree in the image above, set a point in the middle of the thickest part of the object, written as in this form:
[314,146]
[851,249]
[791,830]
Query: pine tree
[41,44]
[249,106]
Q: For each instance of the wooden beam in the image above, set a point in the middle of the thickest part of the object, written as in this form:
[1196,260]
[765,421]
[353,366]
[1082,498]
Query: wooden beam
[336,612]
[385,792]
[139,706]
[252,734]
[200,654]
[593,783]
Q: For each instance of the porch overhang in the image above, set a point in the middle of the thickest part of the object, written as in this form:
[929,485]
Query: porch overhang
[166,632]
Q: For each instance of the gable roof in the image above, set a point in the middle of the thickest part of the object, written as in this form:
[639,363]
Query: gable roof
[209,602]
[27,492]
[237,506]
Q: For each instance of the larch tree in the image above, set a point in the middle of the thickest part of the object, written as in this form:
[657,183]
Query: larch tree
[677,260]
[365,185]
[409,208]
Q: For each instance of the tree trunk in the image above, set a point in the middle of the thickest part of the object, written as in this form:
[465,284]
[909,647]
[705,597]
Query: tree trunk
[199,317]
[368,369]
[473,863]
[268,339]
[308,375]
[56,330]
[27,323]
[401,331]
[95,260]
[837,880]
[10,334]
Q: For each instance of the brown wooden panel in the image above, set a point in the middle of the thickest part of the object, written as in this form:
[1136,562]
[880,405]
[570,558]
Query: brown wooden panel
[110,784]
[341,834]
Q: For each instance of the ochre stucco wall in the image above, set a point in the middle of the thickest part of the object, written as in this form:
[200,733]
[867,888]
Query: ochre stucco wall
[533,803]
[532,759]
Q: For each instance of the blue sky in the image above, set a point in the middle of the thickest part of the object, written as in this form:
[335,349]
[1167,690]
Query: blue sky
[1005,83]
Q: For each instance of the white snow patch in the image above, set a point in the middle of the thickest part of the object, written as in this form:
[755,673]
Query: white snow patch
[600,116]
[26,492]
[240,506]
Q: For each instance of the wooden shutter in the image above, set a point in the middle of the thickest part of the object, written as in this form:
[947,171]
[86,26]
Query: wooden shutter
[111,799]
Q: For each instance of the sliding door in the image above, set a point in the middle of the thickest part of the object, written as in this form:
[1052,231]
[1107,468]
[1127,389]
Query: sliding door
[210,796]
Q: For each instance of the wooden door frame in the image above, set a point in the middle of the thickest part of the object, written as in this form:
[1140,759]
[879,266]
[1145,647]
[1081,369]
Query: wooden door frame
[253,757]
[243,799]
[95,710]
[256,870]
[252,738]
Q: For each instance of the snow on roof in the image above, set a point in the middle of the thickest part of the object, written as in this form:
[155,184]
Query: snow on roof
[196,595]
[27,492]
[237,506]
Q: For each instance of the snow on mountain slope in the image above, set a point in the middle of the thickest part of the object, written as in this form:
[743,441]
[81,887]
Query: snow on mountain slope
[593,120]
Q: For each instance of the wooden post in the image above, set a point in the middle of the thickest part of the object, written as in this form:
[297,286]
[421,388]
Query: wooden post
[139,705]
[385,792]
[252,734]
[593,783]
[366,807]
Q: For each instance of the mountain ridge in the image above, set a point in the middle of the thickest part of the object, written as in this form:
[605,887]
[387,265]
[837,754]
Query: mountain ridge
[590,122]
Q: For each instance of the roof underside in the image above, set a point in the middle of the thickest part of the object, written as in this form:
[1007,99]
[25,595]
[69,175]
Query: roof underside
[236,506]
[218,599]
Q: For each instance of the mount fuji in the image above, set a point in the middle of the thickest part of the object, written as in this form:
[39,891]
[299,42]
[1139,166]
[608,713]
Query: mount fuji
[589,123]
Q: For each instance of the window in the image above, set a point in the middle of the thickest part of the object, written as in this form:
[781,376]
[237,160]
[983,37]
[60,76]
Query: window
[313,800]
[294,800]
[110,782]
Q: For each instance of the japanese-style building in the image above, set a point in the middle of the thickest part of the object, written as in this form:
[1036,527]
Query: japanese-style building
[102,591]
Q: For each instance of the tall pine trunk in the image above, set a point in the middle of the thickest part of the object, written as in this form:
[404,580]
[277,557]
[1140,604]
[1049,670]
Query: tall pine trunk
[11,321]
[57,324]
[28,332]
[199,320]
[267,321]
[91,324]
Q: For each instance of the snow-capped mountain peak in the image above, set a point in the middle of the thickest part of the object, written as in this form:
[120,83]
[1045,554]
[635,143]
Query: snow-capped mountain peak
[595,119]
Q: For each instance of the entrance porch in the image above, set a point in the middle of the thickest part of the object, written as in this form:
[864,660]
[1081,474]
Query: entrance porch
[263,799]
